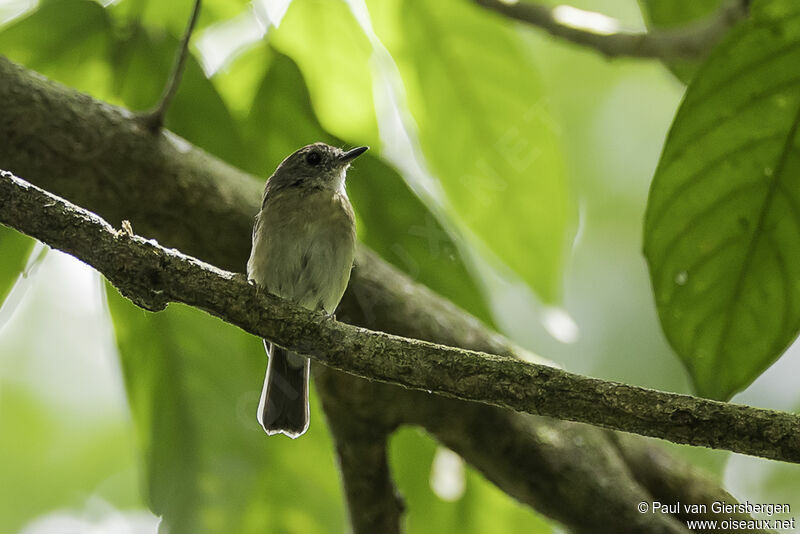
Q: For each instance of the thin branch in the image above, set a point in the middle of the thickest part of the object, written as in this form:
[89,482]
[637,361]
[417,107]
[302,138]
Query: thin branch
[154,119]
[152,276]
[90,152]
[689,42]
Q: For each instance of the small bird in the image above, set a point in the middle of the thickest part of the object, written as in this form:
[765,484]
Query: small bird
[303,250]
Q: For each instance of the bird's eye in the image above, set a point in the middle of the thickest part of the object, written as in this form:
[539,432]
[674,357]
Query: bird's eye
[313,158]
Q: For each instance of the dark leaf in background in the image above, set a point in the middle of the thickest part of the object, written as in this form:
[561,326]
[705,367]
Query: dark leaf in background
[142,61]
[334,55]
[663,15]
[193,384]
[280,119]
[677,13]
[173,16]
[486,131]
[391,219]
[66,40]
[77,43]
[722,232]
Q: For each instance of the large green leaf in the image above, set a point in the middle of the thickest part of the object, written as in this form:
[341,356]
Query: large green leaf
[391,219]
[52,458]
[398,226]
[241,79]
[281,119]
[193,383]
[323,37]
[485,130]
[722,232]
[677,12]
[66,40]
[14,250]
[174,15]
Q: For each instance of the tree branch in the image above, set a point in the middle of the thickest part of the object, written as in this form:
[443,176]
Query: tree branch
[94,154]
[154,119]
[688,42]
[671,481]
[373,502]
[152,276]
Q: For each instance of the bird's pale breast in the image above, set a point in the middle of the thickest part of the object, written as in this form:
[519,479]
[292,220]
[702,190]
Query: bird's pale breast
[303,248]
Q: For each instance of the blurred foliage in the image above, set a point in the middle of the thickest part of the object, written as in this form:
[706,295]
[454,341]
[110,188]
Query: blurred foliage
[486,131]
[40,448]
[68,41]
[480,509]
[325,40]
[675,13]
[171,17]
[78,43]
[722,233]
[194,384]
[15,248]
[142,60]
[489,129]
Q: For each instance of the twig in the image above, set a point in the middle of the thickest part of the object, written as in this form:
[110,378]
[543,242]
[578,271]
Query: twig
[154,118]
[152,276]
[688,42]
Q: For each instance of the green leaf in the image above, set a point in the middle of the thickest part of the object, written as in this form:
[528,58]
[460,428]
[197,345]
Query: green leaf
[281,118]
[66,40]
[485,130]
[722,231]
[240,80]
[14,251]
[391,219]
[398,226]
[325,40]
[193,383]
[53,459]
[676,13]
[77,43]
[482,507]
[173,16]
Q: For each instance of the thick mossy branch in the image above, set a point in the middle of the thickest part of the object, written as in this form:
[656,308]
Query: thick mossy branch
[151,276]
[373,502]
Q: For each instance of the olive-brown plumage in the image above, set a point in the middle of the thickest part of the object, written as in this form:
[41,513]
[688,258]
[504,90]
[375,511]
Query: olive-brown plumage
[303,250]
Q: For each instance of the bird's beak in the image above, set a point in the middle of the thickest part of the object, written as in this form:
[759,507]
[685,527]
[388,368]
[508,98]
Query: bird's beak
[350,155]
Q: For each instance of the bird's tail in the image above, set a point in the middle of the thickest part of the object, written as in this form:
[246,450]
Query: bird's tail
[284,400]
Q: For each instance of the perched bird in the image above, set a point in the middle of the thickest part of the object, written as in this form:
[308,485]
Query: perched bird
[303,250]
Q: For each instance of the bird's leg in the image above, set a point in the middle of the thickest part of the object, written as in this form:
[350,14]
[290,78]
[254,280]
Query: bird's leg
[320,310]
